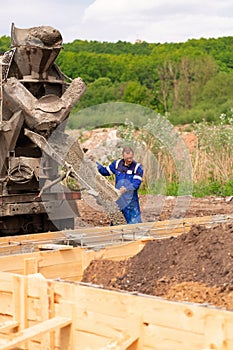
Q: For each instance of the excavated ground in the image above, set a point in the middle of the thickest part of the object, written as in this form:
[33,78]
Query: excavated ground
[196,266]
[156,208]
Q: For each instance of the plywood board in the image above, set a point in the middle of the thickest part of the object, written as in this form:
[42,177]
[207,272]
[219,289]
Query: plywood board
[102,319]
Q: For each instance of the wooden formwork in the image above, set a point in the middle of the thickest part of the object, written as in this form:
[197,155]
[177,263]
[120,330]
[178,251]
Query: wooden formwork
[43,304]
[99,237]
[37,313]
[68,263]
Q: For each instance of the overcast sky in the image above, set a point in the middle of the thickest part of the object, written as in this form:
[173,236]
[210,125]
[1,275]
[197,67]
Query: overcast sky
[127,20]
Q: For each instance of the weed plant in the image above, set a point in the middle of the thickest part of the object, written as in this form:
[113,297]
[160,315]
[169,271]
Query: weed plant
[211,158]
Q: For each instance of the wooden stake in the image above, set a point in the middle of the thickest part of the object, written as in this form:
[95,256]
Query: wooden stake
[38,329]
[30,266]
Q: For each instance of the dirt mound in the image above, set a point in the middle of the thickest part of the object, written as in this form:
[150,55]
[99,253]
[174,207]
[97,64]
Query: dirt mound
[195,266]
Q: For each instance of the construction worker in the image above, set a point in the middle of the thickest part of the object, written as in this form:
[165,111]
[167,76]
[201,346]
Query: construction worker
[128,177]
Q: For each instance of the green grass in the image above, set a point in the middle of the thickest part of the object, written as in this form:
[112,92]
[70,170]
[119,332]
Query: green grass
[214,188]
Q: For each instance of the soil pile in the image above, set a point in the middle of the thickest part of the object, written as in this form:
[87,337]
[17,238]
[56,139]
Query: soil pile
[195,266]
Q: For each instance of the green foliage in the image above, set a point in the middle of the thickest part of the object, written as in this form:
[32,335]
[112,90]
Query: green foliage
[108,114]
[117,48]
[203,189]
[218,90]
[136,93]
[166,171]
[184,81]
[214,188]
[172,188]
[72,184]
[5,43]
[172,174]
[215,156]
[216,137]
[219,49]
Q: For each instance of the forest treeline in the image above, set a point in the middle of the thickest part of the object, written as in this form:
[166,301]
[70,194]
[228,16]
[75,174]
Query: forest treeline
[182,81]
[185,83]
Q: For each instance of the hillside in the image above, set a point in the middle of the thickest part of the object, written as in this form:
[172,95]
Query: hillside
[184,81]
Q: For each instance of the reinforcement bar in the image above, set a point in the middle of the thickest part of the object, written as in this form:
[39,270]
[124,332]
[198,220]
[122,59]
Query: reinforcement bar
[100,237]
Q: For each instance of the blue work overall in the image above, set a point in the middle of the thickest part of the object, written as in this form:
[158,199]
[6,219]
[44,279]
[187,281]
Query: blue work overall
[129,177]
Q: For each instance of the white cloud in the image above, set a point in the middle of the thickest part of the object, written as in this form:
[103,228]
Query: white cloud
[63,15]
[183,28]
[159,21]
[103,9]
[111,20]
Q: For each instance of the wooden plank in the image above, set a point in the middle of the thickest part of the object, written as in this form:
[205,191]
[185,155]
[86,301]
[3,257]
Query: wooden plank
[101,301]
[117,252]
[8,325]
[67,309]
[39,329]
[13,263]
[35,237]
[52,258]
[6,284]
[67,264]
[86,341]
[121,343]
[51,236]
[109,326]
[30,266]
[47,262]
[30,299]
[216,335]
[6,302]
[152,309]
[102,316]
[190,317]
[186,316]
[51,314]
[44,309]
[53,246]
[165,338]
[65,270]
[20,300]
[174,321]
[4,318]
[189,221]
[65,335]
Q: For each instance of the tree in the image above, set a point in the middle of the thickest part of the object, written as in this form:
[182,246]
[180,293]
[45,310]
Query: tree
[182,82]
[5,43]
[136,93]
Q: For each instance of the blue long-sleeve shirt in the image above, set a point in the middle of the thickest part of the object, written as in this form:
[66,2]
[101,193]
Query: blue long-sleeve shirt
[129,177]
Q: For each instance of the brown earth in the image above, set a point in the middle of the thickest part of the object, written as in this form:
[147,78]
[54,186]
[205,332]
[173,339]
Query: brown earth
[196,266]
[103,141]
[157,208]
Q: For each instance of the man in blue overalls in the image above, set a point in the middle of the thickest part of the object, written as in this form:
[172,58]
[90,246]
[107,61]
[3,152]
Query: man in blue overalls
[128,177]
